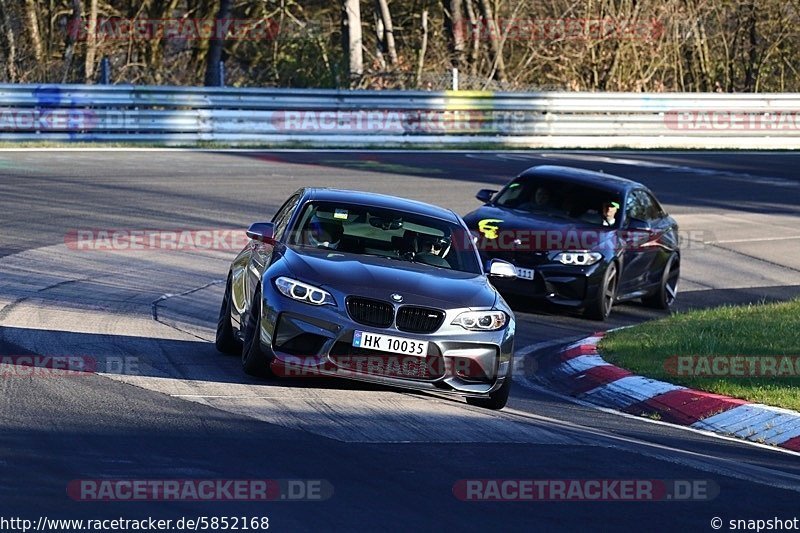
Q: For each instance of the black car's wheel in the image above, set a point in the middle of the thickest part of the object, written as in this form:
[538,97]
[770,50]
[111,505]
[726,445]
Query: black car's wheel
[226,341]
[254,360]
[497,399]
[601,308]
[665,296]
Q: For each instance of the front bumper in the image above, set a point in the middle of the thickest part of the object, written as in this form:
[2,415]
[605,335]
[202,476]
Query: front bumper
[306,340]
[571,286]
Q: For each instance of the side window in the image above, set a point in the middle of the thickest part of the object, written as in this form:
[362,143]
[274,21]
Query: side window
[281,218]
[657,212]
[634,207]
[649,206]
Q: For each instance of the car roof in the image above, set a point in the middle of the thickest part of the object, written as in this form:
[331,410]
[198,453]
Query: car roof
[584,177]
[381,200]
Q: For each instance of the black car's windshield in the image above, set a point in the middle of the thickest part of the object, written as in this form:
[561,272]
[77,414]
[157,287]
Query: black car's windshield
[365,230]
[561,199]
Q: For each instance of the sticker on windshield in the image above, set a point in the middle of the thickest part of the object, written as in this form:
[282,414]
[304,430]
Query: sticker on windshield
[340,213]
[489,227]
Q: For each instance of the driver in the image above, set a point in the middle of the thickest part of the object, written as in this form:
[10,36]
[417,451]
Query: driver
[609,213]
[324,233]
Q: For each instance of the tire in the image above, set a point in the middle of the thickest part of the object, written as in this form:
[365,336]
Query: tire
[497,399]
[226,342]
[665,296]
[254,361]
[601,307]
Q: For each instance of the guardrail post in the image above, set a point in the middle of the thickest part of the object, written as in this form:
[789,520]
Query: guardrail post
[221,74]
[455,79]
[105,71]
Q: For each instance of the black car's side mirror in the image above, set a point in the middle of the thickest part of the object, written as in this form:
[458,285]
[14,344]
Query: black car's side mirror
[485,195]
[262,231]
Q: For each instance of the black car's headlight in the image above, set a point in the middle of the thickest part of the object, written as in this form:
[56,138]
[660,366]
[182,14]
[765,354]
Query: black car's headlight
[481,320]
[303,292]
[578,258]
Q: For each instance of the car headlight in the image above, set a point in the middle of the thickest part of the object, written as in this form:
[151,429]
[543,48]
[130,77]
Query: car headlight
[578,258]
[481,320]
[303,292]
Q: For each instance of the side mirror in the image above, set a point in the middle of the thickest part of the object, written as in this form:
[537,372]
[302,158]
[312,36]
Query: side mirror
[502,269]
[485,195]
[262,231]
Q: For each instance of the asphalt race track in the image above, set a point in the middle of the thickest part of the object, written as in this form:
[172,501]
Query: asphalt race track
[165,405]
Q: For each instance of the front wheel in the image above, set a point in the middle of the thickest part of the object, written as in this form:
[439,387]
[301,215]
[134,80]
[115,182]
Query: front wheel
[254,360]
[601,307]
[497,399]
[226,342]
[666,293]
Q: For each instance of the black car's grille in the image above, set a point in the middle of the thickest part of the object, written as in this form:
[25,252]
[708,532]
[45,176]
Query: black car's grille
[370,312]
[419,319]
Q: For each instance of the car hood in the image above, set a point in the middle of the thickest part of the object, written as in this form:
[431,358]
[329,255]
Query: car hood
[378,277]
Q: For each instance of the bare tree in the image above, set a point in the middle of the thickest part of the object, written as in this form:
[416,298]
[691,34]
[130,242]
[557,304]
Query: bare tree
[213,72]
[91,42]
[495,40]
[423,47]
[8,34]
[388,30]
[454,24]
[70,42]
[352,39]
[33,27]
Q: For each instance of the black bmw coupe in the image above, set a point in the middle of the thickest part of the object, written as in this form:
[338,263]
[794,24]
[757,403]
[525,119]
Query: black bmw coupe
[580,239]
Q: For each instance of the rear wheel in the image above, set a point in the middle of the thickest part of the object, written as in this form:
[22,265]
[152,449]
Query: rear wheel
[226,341]
[665,296]
[601,307]
[254,360]
[497,399]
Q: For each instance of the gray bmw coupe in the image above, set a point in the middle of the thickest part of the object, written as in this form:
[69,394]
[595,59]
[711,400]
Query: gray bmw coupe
[373,288]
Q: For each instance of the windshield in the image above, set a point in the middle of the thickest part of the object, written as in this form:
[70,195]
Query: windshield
[561,199]
[397,235]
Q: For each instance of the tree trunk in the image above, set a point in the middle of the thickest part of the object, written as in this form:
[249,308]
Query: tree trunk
[70,48]
[213,72]
[388,30]
[8,34]
[380,37]
[423,47]
[91,42]
[353,40]
[475,33]
[454,24]
[494,41]
[33,26]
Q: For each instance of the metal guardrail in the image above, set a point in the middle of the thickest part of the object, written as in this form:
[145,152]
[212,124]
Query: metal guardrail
[319,117]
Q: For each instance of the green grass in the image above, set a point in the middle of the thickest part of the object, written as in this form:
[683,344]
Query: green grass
[755,330]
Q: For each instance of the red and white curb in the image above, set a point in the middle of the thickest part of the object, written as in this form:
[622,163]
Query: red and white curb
[580,371]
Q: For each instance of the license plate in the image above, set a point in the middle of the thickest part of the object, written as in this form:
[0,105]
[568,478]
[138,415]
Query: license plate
[524,273]
[390,344]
